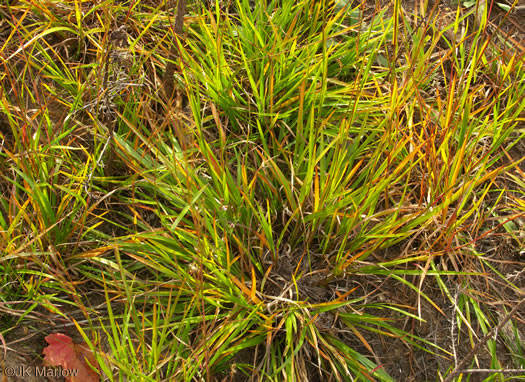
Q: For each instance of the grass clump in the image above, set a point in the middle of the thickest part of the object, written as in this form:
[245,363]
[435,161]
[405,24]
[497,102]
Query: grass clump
[330,191]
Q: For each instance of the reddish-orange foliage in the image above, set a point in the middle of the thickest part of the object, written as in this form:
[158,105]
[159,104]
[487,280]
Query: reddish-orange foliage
[72,357]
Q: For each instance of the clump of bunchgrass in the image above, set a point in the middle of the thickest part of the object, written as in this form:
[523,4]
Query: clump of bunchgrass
[323,184]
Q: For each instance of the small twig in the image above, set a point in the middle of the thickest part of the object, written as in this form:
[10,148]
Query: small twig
[453,328]
[457,370]
[106,115]
[492,371]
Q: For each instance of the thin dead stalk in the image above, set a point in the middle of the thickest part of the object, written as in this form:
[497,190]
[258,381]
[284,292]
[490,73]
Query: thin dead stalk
[458,369]
[174,53]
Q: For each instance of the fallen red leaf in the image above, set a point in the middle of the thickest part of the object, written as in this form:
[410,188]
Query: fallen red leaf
[72,357]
